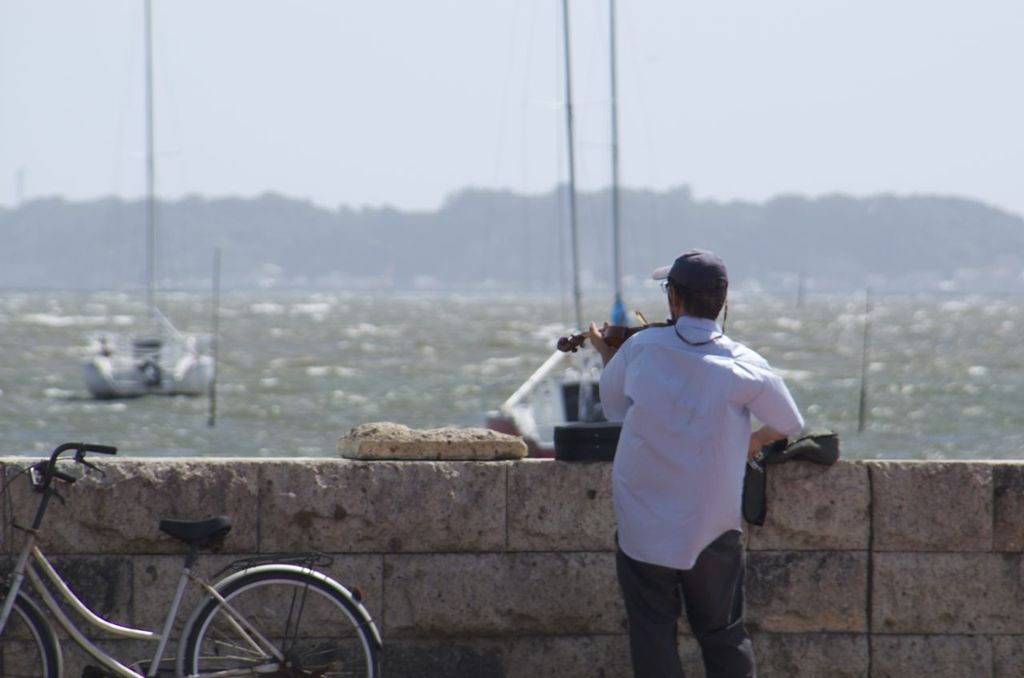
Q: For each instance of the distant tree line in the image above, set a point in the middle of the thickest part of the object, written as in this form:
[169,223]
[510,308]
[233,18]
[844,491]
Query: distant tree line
[481,239]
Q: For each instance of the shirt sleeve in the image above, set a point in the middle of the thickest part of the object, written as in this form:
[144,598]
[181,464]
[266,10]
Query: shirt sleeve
[613,387]
[774,406]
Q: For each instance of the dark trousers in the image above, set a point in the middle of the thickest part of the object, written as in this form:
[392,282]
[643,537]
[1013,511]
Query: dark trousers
[712,592]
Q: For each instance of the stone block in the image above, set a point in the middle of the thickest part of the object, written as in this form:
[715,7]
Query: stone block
[778,656]
[128,652]
[1007,656]
[807,591]
[948,593]
[1008,507]
[930,656]
[119,512]
[446,658]
[560,506]
[510,657]
[340,506]
[157,576]
[835,655]
[932,506]
[813,507]
[569,657]
[463,595]
[388,441]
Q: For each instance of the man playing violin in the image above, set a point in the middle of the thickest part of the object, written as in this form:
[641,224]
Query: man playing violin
[685,394]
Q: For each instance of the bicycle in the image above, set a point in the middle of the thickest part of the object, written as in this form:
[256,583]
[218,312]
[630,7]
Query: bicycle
[272,616]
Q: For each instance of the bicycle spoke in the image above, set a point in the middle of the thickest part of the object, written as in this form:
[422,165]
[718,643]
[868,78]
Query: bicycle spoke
[290,629]
[229,651]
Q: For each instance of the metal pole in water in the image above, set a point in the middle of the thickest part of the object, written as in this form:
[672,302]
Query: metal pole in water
[215,339]
[618,308]
[862,409]
[150,167]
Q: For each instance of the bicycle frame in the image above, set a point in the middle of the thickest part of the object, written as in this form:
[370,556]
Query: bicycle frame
[31,560]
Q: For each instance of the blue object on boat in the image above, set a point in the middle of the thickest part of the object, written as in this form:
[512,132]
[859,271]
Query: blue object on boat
[618,313]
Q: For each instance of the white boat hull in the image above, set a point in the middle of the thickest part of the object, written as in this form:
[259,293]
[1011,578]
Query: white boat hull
[122,377]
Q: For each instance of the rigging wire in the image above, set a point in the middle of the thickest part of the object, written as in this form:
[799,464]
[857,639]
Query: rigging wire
[499,151]
[642,230]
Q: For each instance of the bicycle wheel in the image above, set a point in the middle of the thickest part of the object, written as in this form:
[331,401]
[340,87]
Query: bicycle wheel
[28,646]
[316,629]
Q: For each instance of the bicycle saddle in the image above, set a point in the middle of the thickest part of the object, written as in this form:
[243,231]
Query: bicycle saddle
[197,532]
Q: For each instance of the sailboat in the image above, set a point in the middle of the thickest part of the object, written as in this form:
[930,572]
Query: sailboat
[161,360]
[563,390]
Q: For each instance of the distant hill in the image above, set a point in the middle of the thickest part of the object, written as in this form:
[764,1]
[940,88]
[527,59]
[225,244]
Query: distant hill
[492,240]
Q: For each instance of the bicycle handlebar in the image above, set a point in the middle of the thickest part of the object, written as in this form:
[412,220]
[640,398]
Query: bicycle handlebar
[81,449]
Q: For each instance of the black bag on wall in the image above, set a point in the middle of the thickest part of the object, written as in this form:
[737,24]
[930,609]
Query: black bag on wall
[817,447]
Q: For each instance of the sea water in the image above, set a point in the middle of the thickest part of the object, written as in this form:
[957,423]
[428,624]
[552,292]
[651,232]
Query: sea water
[943,374]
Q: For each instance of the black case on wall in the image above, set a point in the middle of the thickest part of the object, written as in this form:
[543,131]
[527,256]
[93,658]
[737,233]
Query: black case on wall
[587,441]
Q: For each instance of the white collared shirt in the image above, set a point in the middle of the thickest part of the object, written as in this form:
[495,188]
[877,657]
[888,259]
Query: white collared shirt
[685,409]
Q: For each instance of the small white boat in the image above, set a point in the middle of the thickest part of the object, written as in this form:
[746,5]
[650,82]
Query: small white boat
[564,389]
[163,362]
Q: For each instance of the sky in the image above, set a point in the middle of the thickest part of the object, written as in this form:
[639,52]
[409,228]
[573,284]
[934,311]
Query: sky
[406,102]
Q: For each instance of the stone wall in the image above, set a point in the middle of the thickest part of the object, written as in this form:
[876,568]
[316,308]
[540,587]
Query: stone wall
[483,569]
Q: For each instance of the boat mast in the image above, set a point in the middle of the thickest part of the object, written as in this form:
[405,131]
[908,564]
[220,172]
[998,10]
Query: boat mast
[618,309]
[150,168]
[577,299]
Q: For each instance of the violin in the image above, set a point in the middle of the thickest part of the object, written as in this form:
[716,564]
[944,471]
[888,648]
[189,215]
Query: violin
[613,335]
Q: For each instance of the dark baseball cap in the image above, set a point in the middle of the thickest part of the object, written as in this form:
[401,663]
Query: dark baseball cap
[698,270]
